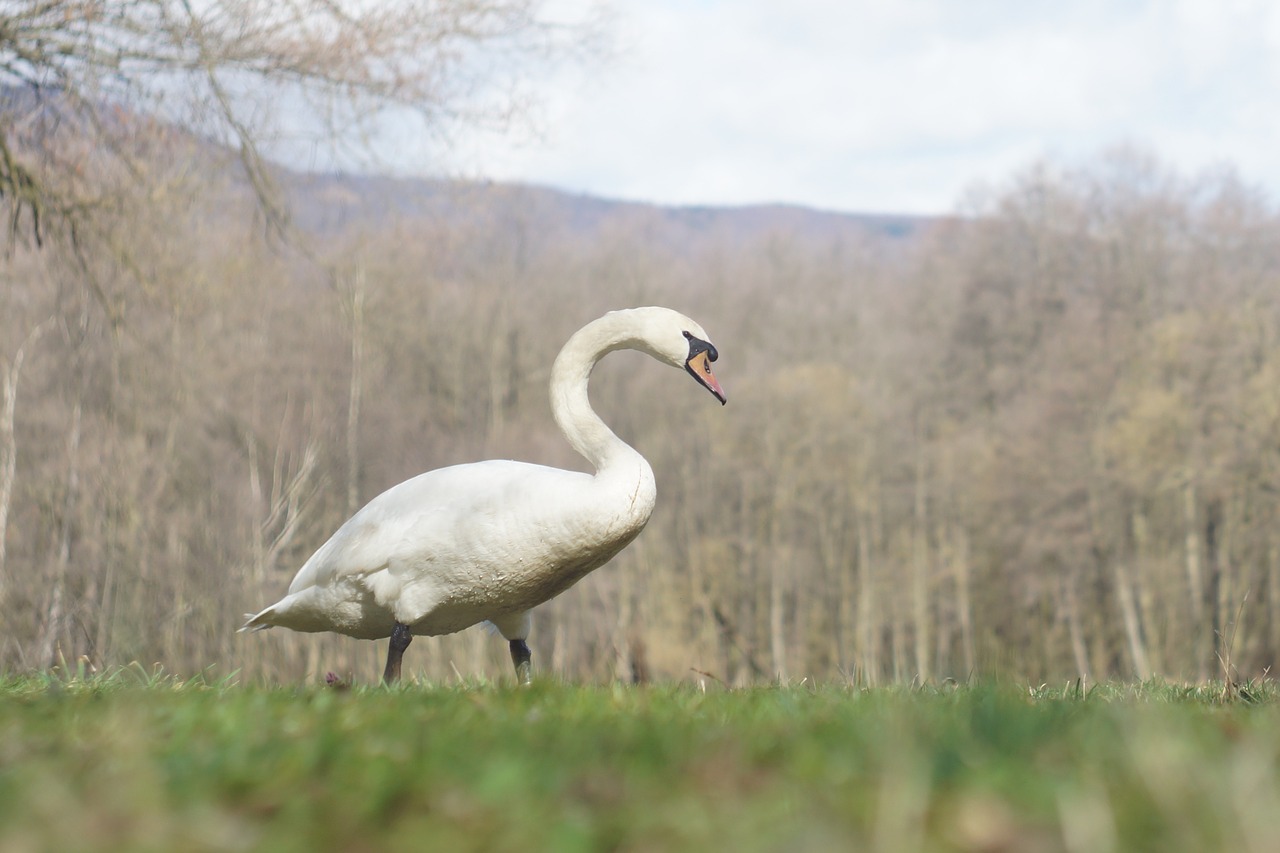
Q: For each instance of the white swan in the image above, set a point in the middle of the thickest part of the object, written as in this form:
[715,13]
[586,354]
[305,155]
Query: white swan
[492,540]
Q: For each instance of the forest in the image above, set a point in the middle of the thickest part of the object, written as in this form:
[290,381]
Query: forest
[1036,439]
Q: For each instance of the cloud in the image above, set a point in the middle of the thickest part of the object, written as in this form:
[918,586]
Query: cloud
[898,106]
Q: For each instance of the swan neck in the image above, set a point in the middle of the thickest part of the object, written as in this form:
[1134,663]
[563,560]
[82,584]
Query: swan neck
[570,375]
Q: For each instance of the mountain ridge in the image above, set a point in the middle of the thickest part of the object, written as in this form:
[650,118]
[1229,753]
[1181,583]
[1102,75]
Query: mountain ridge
[324,202]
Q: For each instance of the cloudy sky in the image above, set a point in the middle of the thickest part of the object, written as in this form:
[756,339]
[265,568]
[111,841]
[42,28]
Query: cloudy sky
[898,105]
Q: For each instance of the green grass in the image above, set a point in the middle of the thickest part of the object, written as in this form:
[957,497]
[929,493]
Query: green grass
[140,761]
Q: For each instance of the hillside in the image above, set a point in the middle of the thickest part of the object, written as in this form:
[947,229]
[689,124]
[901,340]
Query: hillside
[329,203]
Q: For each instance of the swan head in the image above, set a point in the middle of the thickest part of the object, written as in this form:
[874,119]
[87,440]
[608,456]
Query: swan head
[698,364]
[671,337]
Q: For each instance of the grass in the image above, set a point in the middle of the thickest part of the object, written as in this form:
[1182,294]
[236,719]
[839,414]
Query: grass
[137,760]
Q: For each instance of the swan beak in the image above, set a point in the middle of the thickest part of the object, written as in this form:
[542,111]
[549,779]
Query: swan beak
[699,367]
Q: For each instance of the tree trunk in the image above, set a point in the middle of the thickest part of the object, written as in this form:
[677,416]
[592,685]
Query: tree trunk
[779,568]
[867,656]
[9,442]
[8,456]
[1079,649]
[846,656]
[47,655]
[964,604]
[920,571]
[1273,593]
[353,402]
[1195,581]
[622,629]
[1132,624]
[777,621]
[1146,604]
[1213,582]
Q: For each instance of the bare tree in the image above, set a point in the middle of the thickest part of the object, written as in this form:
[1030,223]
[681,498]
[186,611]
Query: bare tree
[1095,359]
[234,70]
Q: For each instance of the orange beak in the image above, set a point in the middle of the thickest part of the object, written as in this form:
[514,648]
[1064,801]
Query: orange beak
[699,367]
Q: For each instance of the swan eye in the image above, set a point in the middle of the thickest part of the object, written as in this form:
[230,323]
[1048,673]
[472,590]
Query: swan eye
[698,346]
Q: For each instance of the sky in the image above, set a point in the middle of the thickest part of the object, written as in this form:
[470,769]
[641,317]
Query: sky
[895,106]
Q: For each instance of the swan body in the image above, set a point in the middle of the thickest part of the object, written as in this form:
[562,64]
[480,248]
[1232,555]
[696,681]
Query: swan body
[489,541]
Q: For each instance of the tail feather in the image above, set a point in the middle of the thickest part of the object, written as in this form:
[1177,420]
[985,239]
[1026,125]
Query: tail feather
[255,622]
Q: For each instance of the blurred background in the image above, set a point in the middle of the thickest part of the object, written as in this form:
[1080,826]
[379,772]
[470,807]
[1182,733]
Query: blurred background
[997,297]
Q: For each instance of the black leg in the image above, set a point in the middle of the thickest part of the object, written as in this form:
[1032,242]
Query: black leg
[522,658]
[400,640]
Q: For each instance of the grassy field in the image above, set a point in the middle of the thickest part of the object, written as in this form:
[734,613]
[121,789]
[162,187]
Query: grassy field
[136,761]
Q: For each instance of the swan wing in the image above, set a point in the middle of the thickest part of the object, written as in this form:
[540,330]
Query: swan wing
[445,550]
[444,520]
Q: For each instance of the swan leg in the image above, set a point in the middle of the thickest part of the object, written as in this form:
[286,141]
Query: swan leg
[400,640]
[523,659]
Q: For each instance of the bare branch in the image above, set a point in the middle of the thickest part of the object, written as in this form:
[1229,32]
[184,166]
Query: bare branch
[236,70]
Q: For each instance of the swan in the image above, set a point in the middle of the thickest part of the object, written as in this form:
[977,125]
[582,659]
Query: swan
[489,541]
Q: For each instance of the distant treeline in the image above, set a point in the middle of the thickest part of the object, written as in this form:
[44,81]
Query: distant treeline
[1039,439]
